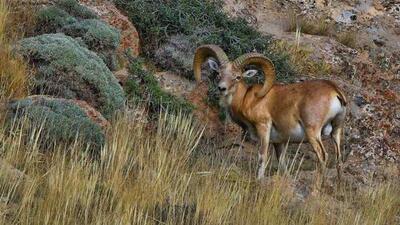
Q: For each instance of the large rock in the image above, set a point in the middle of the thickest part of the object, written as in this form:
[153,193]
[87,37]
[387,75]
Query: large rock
[66,69]
[60,120]
[177,55]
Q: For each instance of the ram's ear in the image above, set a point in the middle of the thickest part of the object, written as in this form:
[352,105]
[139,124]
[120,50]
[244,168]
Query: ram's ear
[250,73]
[212,63]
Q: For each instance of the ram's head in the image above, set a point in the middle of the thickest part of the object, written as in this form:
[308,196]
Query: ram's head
[232,72]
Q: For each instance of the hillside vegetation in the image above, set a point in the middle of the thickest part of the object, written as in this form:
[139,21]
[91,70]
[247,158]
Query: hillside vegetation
[152,162]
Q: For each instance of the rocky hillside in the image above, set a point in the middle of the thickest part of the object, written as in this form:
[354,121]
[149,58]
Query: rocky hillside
[110,126]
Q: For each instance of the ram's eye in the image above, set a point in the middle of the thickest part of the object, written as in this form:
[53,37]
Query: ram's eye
[238,78]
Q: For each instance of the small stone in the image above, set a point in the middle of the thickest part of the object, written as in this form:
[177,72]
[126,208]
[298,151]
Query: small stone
[359,101]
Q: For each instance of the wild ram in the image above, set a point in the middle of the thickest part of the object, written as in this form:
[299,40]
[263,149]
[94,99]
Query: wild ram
[277,113]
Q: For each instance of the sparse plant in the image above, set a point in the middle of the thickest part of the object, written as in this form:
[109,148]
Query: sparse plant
[348,38]
[142,87]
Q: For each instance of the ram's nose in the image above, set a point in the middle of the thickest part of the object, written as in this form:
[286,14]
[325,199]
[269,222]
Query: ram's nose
[221,88]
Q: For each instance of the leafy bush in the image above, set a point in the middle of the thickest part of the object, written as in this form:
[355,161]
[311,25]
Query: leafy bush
[143,86]
[60,121]
[205,22]
[98,36]
[66,69]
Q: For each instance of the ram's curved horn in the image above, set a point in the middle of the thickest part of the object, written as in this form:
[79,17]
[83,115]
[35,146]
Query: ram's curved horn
[266,65]
[205,51]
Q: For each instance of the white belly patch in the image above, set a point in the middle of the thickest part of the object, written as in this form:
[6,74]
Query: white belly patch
[327,130]
[297,134]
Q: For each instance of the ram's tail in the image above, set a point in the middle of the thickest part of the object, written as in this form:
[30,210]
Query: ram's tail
[341,96]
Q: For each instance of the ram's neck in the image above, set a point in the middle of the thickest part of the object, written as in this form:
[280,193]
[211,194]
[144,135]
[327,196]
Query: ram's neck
[238,97]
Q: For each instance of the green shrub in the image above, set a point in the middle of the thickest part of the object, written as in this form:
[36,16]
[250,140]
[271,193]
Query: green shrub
[205,22]
[66,69]
[143,86]
[62,121]
[98,36]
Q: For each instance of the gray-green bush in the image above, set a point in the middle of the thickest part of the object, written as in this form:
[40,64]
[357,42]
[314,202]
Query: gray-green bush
[66,69]
[98,36]
[75,9]
[51,19]
[57,120]
[75,20]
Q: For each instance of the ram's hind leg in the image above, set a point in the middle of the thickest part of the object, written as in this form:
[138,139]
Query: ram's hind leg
[336,136]
[280,152]
[314,138]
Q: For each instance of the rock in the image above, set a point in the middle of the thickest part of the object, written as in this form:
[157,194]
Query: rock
[177,55]
[11,174]
[111,15]
[67,70]
[346,17]
[91,113]
[60,120]
[360,101]
[122,76]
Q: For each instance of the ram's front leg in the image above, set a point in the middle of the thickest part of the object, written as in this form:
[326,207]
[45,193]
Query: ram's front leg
[263,132]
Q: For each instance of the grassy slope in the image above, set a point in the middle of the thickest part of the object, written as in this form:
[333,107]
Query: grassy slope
[159,177]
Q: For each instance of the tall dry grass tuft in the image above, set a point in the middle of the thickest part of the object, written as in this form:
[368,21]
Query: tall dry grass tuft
[156,177]
[300,58]
[14,72]
[308,26]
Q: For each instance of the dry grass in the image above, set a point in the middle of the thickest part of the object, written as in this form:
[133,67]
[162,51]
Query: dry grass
[21,21]
[301,60]
[13,70]
[159,177]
